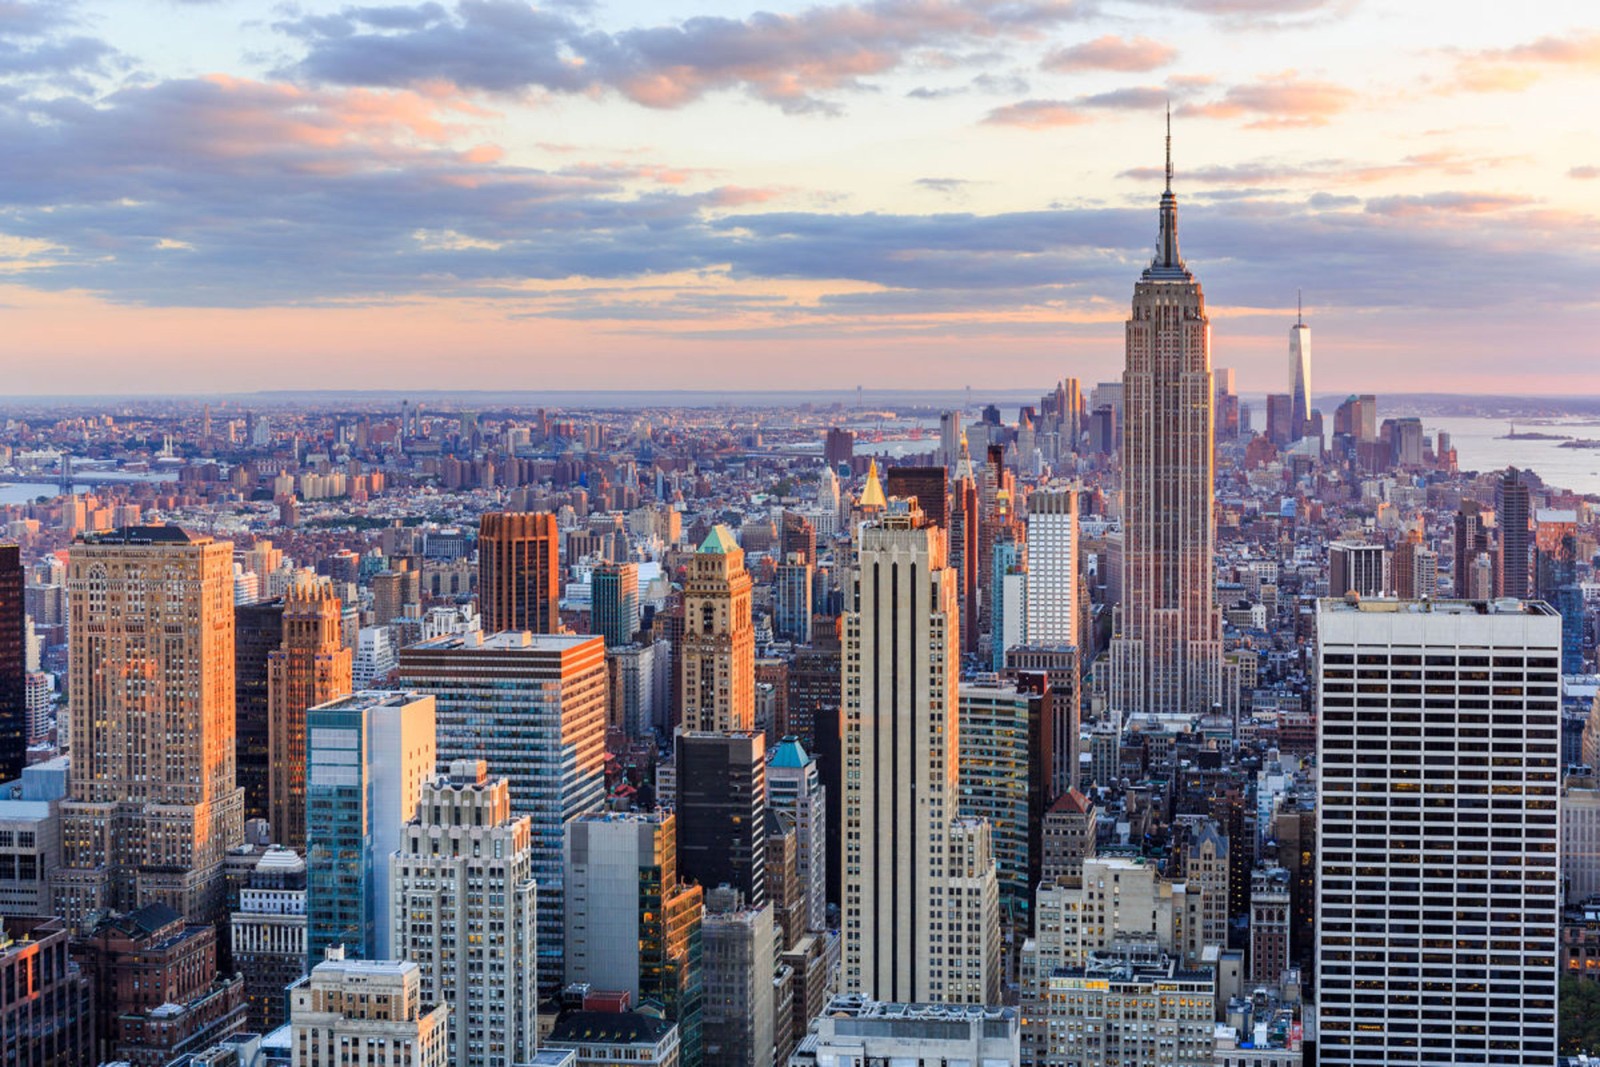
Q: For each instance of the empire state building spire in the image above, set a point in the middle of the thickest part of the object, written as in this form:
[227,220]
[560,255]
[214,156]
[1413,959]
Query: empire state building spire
[1168,263]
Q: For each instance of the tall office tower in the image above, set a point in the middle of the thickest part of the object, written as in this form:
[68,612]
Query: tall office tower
[1167,655]
[46,1005]
[1053,567]
[534,708]
[519,572]
[722,811]
[395,594]
[963,541]
[794,788]
[901,754]
[1471,538]
[791,600]
[1280,416]
[367,756]
[1299,378]
[1355,566]
[268,935]
[1227,417]
[1555,574]
[1008,588]
[996,495]
[797,535]
[614,603]
[931,487]
[258,632]
[465,912]
[1466,875]
[311,667]
[1004,763]
[630,923]
[153,808]
[838,448]
[950,438]
[1055,671]
[1269,924]
[1512,512]
[719,639]
[738,949]
[13,666]
[375,1006]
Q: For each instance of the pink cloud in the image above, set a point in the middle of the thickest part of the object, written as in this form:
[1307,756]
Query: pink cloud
[1584,173]
[1127,54]
[1279,100]
[1036,115]
[1515,68]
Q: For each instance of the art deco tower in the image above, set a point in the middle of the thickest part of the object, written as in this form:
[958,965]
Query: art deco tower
[1167,654]
[311,667]
[154,805]
[719,643]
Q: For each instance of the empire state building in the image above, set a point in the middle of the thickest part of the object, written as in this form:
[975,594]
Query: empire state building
[1167,652]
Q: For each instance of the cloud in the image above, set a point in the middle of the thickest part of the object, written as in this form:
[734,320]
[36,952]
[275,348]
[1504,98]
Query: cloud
[37,44]
[795,61]
[1037,114]
[1584,173]
[1444,162]
[1451,204]
[1511,69]
[1126,54]
[1280,100]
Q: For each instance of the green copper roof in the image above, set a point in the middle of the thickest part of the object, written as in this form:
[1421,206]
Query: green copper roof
[789,753]
[719,541]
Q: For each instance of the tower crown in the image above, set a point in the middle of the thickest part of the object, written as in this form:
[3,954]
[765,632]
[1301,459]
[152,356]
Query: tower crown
[1168,263]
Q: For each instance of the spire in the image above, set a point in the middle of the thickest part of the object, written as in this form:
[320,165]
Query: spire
[1168,263]
[1299,309]
[1169,144]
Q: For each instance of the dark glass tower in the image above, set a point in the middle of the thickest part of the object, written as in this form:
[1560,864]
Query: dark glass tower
[258,629]
[13,666]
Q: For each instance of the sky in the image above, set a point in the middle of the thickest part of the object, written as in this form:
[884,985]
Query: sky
[227,195]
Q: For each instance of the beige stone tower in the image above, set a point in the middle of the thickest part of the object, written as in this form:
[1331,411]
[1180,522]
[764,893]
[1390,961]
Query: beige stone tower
[153,805]
[719,641]
[311,667]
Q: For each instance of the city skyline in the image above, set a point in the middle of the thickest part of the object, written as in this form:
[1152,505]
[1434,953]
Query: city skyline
[763,198]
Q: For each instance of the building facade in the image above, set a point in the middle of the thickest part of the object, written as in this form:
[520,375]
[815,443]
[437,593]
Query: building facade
[719,649]
[152,809]
[519,572]
[1437,934]
[311,667]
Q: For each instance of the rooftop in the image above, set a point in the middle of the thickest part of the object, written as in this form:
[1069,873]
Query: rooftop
[504,641]
[856,1006]
[1393,606]
[719,541]
[609,1028]
[373,698]
[145,535]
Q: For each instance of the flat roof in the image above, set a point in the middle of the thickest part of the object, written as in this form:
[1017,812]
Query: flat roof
[1394,606]
[504,641]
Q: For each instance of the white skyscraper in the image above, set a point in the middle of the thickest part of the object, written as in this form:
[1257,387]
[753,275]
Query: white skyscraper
[905,936]
[1052,600]
[794,786]
[1438,885]
[1300,378]
[465,913]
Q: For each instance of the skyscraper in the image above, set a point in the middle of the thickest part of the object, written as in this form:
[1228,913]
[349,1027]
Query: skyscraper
[903,939]
[367,757]
[794,787]
[258,632]
[153,808]
[1512,514]
[463,880]
[13,666]
[1299,378]
[614,602]
[722,811]
[1167,652]
[792,600]
[519,572]
[1438,887]
[631,923]
[719,641]
[1052,599]
[311,667]
[532,706]
[930,485]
